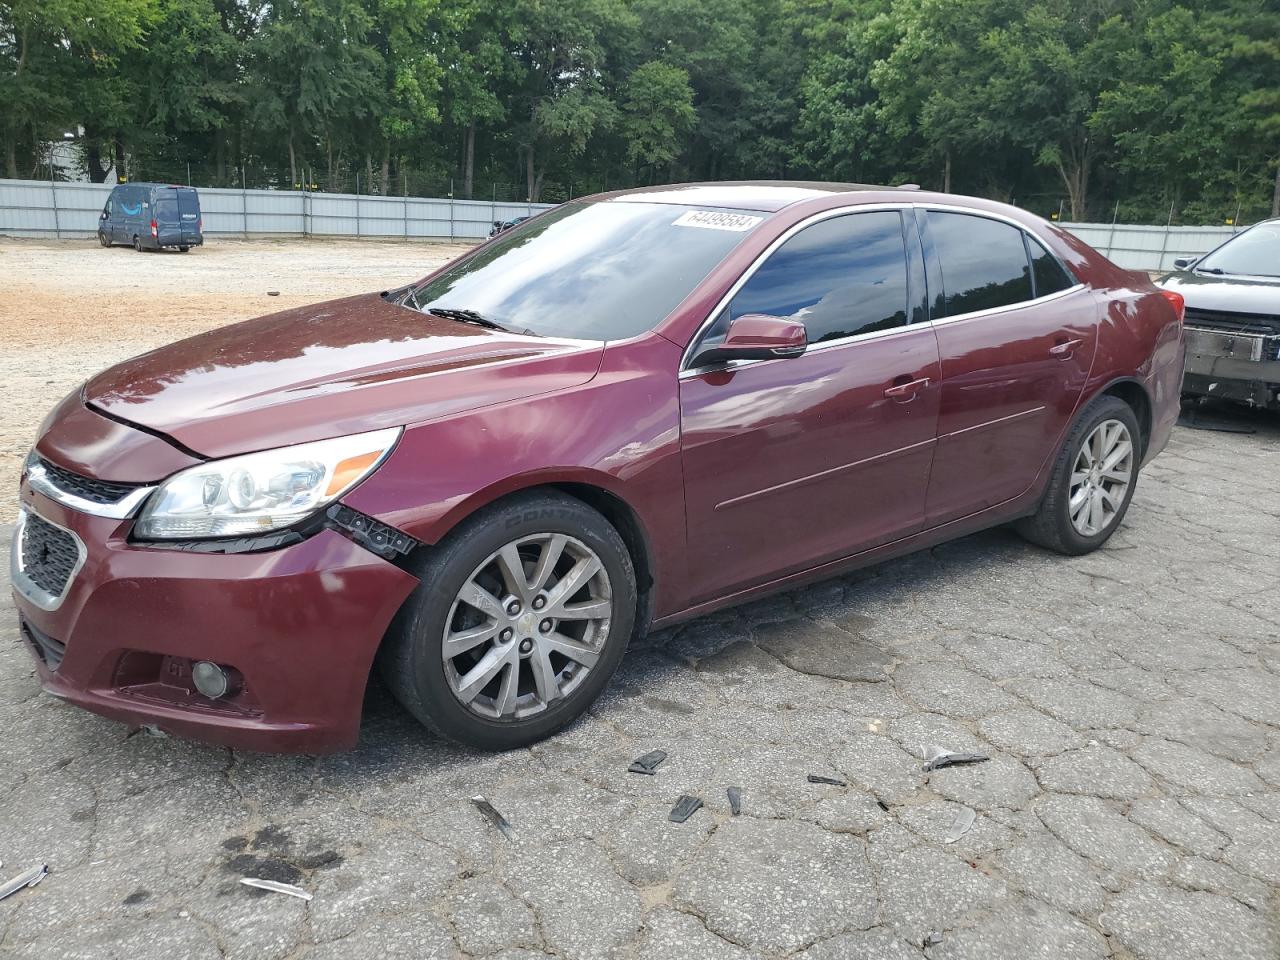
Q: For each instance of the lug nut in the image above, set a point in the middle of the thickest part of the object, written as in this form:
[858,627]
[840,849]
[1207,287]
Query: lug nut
[506,635]
[545,626]
[539,602]
[526,645]
[513,608]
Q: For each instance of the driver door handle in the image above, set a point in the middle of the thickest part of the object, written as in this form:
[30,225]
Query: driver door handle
[906,391]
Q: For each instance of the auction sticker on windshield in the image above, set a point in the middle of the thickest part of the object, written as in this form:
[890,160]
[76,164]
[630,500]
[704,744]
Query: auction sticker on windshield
[715,220]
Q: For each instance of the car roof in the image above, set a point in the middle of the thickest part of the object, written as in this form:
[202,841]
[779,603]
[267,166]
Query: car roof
[760,195]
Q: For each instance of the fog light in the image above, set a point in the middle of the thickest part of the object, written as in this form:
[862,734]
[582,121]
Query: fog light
[210,679]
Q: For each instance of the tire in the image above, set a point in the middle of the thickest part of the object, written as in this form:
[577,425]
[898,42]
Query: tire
[184,249]
[1052,525]
[103,239]
[137,243]
[412,661]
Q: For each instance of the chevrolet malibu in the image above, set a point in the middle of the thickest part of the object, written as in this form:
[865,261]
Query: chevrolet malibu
[630,410]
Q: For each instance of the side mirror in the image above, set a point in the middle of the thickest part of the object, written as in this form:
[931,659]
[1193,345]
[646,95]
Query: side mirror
[1183,263]
[756,336]
[103,216]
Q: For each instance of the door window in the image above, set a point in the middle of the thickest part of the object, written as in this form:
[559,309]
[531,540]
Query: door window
[840,277]
[984,262]
[1049,275]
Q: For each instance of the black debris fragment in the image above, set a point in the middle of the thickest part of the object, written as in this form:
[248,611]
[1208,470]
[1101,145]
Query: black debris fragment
[932,939]
[497,819]
[648,763]
[735,800]
[685,808]
[882,805]
[814,778]
[936,757]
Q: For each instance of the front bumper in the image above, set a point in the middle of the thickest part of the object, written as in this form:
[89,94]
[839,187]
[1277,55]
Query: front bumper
[1234,366]
[301,624]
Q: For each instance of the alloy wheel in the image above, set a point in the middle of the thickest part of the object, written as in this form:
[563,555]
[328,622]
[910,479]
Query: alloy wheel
[528,625]
[1100,478]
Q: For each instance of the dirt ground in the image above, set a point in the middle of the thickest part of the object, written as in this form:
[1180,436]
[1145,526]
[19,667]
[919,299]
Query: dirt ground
[69,308]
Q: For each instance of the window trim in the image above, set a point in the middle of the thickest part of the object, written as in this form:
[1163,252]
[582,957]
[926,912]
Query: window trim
[687,372]
[1027,232]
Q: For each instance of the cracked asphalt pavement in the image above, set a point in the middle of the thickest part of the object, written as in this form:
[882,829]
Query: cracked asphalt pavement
[1129,702]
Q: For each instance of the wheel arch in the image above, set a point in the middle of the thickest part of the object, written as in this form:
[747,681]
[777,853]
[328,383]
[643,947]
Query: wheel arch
[1135,395]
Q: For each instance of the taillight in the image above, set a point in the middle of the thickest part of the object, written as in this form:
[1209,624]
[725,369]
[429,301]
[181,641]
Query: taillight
[200,225]
[154,230]
[1177,301]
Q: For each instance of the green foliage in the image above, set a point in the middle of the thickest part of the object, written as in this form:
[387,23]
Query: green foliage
[1152,108]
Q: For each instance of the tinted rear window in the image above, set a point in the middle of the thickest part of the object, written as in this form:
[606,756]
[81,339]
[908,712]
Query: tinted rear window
[599,271]
[1049,274]
[984,264]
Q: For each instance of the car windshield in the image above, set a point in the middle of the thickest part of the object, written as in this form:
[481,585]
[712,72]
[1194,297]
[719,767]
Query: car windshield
[594,271]
[1256,253]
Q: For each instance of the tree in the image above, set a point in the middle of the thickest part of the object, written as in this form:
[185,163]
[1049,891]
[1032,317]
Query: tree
[657,111]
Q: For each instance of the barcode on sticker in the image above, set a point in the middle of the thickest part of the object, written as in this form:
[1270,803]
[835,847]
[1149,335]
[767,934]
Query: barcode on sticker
[714,220]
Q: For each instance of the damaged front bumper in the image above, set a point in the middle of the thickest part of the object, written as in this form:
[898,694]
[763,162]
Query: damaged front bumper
[1237,364]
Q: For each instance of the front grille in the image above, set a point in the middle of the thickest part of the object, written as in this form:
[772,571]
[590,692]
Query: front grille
[49,554]
[1224,322]
[49,650]
[86,488]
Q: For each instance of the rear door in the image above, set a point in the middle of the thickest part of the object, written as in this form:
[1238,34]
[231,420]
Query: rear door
[164,211]
[189,214]
[791,463]
[1016,338]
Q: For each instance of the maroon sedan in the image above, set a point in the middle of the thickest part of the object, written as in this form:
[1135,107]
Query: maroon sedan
[630,410]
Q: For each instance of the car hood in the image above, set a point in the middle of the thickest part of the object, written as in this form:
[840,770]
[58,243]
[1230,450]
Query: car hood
[1228,294]
[330,369]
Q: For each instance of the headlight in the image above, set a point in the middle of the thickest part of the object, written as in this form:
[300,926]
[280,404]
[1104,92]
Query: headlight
[260,492]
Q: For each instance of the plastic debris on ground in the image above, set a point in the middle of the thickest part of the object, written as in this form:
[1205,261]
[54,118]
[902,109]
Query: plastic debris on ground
[814,778]
[276,886]
[937,757]
[962,825]
[685,808]
[648,763]
[23,880]
[494,817]
[735,800]
[932,939]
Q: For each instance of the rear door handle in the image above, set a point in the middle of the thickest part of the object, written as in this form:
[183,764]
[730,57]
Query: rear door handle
[905,391]
[1064,349]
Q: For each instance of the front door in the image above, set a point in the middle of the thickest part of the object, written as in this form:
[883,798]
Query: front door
[1016,336]
[791,463]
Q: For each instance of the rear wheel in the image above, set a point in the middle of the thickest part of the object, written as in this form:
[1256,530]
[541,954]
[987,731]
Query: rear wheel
[522,617]
[1093,481]
[184,249]
[137,243]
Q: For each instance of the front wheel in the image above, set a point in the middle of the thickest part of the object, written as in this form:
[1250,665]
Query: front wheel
[522,617]
[103,239]
[1093,481]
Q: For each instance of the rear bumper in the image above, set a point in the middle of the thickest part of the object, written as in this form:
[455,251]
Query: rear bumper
[301,624]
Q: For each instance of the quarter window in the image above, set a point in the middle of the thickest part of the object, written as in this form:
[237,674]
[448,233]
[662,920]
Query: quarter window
[839,277]
[984,263]
[1048,273]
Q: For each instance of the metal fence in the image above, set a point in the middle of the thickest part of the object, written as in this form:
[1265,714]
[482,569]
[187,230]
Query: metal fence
[1149,248]
[34,208]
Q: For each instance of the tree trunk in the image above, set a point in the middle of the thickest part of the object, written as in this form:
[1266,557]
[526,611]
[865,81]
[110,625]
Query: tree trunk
[368,172]
[946,172]
[469,161]
[11,156]
[122,171]
[386,168]
[529,178]
[93,160]
[1275,194]
[293,160]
